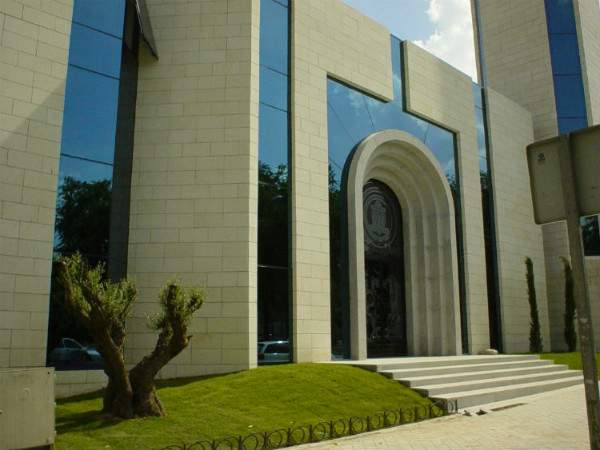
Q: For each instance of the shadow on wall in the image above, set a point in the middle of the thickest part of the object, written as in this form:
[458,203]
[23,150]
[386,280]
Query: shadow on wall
[29,155]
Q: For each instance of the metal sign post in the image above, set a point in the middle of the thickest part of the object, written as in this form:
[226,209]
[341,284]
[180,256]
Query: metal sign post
[552,167]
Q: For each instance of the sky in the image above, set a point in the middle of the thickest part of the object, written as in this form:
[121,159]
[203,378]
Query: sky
[443,27]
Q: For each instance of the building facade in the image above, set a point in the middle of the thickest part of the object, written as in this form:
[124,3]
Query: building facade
[545,55]
[333,188]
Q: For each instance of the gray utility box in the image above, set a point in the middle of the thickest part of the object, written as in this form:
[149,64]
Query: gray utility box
[26,408]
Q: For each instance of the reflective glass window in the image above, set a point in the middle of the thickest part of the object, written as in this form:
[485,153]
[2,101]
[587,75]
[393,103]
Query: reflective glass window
[90,115]
[570,99]
[274,35]
[590,233]
[273,309]
[273,88]
[104,15]
[568,124]
[565,54]
[95,51]
[560,16]
[273,184]
[273,136]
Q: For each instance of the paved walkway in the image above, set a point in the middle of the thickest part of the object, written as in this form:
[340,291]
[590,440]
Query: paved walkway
[554,420]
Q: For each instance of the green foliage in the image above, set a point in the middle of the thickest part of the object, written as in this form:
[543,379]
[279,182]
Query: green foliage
[262,399]
[570,333]
[535,335]
[177,305]
[92,297]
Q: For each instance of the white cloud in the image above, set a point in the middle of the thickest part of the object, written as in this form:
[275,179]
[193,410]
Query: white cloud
[452,39]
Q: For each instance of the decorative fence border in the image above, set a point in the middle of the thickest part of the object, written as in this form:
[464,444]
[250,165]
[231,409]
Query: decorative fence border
[306,434]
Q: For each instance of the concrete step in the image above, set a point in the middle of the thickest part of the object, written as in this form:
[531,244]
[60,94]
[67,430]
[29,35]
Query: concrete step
[479,375]
[386,364]
[477,385]
[399,374]
[496,394]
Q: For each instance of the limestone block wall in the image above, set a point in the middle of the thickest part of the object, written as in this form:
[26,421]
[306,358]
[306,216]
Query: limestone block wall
[34,42]
[592,267]
[587,16]
[444,95]
[328,39]
[517,56]
[194,183]
[517,235]
[74,382]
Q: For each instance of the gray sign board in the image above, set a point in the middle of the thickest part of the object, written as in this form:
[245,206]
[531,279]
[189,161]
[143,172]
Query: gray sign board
[545,172]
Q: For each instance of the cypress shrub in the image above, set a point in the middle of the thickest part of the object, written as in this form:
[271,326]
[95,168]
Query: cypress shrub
[535,335]
[570,332]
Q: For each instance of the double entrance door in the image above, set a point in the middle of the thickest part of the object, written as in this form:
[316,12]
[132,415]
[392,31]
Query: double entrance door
[384,272]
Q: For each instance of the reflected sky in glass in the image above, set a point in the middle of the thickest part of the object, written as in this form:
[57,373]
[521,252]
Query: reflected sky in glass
[90,116]
[566,66]
[95,51]
[274,36]
[354,115]
[104,15]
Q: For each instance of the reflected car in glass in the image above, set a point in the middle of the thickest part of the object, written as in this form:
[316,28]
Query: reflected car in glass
[70,351]
[273,352]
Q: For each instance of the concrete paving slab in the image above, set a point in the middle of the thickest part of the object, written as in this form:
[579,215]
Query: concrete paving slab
[554,420]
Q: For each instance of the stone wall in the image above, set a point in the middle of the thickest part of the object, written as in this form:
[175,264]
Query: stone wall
[517,235]
[443,94]
[587,16]
[34,43]
[194,183]
[328,39]
[517,57]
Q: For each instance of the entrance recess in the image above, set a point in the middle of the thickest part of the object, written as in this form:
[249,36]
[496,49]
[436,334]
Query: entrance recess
[401,250]
[384,272]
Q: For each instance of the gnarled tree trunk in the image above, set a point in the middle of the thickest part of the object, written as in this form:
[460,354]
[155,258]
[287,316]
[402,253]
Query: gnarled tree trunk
[103,307]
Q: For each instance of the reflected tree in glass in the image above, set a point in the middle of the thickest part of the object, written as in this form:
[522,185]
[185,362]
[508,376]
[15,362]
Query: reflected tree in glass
[82,225]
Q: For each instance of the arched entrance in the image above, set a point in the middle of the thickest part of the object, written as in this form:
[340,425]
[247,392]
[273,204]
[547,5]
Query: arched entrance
[412,176]
[384,271]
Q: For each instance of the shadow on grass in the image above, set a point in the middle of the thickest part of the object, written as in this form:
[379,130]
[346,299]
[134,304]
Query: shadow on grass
[87,420]
[96,419]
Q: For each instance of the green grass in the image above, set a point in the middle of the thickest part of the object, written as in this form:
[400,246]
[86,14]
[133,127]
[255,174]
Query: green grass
[573,359]
[262,399]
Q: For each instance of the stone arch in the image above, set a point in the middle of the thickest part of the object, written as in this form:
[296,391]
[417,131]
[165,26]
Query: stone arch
[409,168]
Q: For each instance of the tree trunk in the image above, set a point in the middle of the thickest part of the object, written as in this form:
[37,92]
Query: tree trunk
[146,402]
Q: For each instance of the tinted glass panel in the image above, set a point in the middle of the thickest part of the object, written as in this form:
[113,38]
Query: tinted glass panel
[273,88]
[570,99]
[104,15]
[273,187]
[568,124]
[83,170]
[590,232]
[565,54]
[559,14]
[273,317]
[90,116]
[95,51]
[274,35]
[273,136]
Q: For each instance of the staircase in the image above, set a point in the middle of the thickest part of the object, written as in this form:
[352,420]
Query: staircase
[476,380]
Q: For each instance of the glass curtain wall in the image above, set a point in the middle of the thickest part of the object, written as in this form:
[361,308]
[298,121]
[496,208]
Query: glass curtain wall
[352,116]
[569,90]
[489,221]
[92,208]
[274,268]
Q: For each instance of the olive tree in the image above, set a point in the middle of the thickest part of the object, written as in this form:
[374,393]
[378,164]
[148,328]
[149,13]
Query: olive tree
[103,307]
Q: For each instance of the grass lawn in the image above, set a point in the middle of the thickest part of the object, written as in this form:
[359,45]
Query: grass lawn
[262,399]
[573,359]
